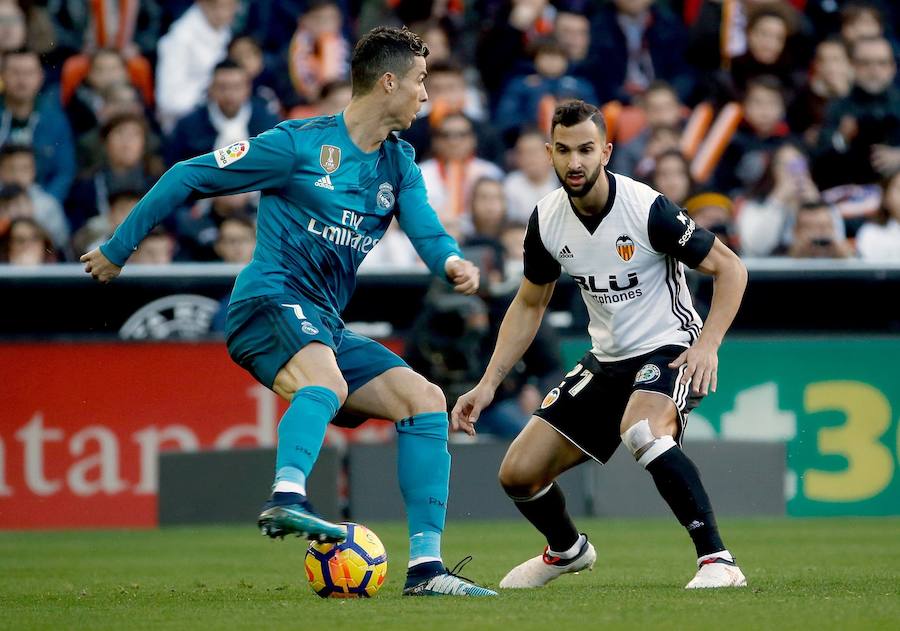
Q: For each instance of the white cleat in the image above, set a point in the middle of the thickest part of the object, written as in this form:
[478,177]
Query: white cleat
[717,573]
[540,570]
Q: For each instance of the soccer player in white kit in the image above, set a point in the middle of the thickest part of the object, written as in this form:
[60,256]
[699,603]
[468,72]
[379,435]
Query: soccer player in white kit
[652,358]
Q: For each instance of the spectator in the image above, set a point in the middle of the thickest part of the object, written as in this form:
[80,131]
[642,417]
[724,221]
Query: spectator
[100,228]
[761,131]
[715,212]
[131,27]
[231,114]
[660,141]
[672,176]
[18,168]
[860,139]
[236,240]
[26,118]
[450,92]
[531,99]
[533,177]
[661,108]
[815,236]
[450,174]
[573,32]
[830,78]
[483,247]
[766,216]
[107,68]
[124,165]
[198,227]
[503,44]
[860,20]
[157,248]
[636,42]
[13,27]
[267,83]
[187,55]
[769,25]
[318,52]
[879,239]
[27,243]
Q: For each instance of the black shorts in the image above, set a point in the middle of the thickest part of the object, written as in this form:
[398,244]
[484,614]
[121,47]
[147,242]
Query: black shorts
[587,406]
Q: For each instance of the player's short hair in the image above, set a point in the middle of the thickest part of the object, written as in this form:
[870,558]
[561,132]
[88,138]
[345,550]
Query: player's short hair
[573,112]
[383,49]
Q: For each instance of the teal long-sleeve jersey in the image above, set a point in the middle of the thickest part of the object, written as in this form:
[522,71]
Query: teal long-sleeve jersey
[325,204]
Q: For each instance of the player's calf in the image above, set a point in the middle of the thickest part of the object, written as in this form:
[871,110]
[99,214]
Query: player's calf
[678,482]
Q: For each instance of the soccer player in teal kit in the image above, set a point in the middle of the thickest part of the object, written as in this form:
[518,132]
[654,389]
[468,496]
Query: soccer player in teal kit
[330,187]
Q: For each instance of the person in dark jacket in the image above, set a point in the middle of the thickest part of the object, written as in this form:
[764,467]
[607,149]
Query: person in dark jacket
[230,114]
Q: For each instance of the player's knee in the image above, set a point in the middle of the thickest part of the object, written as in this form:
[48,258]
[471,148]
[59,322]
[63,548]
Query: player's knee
[290,380]
[643,444]
[518,481]
[427,397]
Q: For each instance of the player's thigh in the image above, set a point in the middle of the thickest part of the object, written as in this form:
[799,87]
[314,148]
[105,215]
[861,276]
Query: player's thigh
[381,384]
[284,342]
[659,396]
[536,457]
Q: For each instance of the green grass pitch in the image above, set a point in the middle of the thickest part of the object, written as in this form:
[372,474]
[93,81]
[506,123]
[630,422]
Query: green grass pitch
[803,574]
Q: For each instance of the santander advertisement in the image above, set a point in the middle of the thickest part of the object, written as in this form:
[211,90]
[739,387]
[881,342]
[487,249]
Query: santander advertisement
[82,425]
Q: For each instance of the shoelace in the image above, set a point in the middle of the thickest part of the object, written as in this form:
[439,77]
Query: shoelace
[458,568]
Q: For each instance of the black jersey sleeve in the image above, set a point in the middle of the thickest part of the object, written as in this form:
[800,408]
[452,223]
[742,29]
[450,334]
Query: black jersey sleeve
[672,232]
[540,266]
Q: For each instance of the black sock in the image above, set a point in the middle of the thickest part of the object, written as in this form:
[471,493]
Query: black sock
[678,481]
[548,514]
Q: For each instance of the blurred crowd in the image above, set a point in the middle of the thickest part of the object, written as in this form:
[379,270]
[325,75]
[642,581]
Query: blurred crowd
[776,124]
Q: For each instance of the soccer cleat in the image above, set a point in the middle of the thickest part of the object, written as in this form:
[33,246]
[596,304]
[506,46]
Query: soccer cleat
[433,579]
[292,514]
[717,572]
[540,570]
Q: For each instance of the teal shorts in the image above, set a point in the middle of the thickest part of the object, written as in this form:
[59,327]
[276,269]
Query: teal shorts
[263,333]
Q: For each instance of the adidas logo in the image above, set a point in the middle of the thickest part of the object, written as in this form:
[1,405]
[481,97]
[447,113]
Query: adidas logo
[325,182]
[695,524]
[565,253]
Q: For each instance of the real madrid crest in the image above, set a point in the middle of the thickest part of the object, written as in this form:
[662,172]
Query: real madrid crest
[385,196]
[330,158]
[625,247]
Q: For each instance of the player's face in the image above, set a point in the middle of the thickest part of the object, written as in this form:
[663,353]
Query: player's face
[579,154]
[409,94]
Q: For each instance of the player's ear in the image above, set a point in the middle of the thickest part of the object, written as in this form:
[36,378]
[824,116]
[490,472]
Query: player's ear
[607,153]
[388,82]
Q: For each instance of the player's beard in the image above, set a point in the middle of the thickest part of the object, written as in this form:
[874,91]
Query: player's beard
[585,188]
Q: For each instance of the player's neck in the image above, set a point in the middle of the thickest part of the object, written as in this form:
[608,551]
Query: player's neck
[595,201]
[366,124]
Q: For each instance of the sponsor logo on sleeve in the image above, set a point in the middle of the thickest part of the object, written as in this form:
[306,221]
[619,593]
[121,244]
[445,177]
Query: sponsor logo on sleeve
[689,228]
[330,158]
[232,153]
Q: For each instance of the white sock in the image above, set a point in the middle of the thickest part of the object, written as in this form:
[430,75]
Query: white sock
[572,552]
[288,486]
[721,554]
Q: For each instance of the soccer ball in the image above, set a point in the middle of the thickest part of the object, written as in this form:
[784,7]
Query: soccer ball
[354,568]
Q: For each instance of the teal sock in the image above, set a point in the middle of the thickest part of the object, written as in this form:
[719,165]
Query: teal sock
[300,435]
[423,466]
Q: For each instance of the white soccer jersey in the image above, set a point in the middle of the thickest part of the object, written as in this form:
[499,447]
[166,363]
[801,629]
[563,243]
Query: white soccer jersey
[629,263]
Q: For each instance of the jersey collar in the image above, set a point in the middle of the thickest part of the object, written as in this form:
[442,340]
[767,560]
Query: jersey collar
[591,223]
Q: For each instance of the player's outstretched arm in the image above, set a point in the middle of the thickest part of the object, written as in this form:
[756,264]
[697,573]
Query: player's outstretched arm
[730,280]
[517,331]
[266,161]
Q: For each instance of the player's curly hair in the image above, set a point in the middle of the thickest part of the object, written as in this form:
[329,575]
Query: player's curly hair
[383,49]
[573,112]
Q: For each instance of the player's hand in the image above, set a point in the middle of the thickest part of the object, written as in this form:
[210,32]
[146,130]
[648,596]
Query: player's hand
[99,267]
[463,274]
[468,408]
[702,369]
